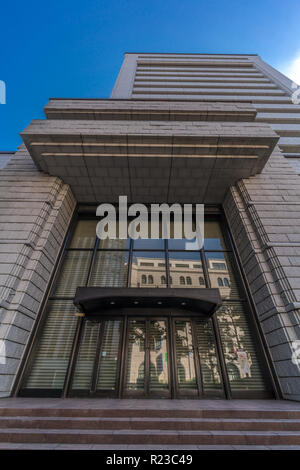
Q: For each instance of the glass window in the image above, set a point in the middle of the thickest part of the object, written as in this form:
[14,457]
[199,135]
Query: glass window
[222,264]
[182,243]
[213,236]
[73,273]
[148,244]
[84,235]
[54,347]
[150,264]
[110,269]
[240,351]
[115,243]
[185,268]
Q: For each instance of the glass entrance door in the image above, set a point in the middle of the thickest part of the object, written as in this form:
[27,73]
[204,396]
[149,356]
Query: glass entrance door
[147,357]
[197,368]
[147,371]
[98,361]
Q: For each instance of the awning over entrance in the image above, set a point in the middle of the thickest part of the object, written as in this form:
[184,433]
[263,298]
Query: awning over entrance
[95,300]
[194,156]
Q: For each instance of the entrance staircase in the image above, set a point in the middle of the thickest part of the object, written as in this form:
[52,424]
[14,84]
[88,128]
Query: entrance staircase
[28,423]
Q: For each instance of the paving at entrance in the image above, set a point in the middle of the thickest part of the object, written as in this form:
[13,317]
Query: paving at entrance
[51,423]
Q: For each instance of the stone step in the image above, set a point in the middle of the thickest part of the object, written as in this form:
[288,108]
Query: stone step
[107,447]
[149,437]
[176,424]
[81,412]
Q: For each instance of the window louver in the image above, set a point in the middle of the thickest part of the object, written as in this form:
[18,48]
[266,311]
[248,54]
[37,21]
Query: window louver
[185,360]
[108,361]
[53,351]
[241,356]
[209,366]
[86,356]
[110,269]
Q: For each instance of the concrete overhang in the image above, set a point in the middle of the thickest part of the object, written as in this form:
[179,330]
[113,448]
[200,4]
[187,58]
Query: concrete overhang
[149,161]
[149,110]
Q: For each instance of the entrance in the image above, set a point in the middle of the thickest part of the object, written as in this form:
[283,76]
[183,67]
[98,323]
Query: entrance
[148,356]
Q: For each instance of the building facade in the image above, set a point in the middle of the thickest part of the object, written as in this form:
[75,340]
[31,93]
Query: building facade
[153,318]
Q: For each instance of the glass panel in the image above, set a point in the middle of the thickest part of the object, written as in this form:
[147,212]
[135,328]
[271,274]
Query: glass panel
[213,237]
[185,360]
[240,352]
[148,244]
[54,347]
[186,269]
[221,274]
[159,379]
[115,243]
[74,273]
[107,374]
[148,269]
[182,243]
[84,235]
[135,376]
[86,356]
[110,269]
[211,376]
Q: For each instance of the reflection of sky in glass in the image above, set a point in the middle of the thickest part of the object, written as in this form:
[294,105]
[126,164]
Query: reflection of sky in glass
[183,244]
[215,254]
[188,255]
[148,244]
[212,244]
[147,255]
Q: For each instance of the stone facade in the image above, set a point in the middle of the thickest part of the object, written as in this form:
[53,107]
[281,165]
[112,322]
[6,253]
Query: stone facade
[35,212]
[262,207]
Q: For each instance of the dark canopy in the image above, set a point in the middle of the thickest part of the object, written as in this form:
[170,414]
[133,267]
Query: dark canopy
[95,300]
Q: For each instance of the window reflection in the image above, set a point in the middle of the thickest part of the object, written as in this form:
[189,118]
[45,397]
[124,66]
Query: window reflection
[148,244]
[240,352]
[148,269]
[221,275]
[135,377]
[186,269]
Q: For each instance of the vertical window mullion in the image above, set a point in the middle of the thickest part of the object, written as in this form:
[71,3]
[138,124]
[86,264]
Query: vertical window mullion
[95,249]
[168,277]
[205,269]
[130,255]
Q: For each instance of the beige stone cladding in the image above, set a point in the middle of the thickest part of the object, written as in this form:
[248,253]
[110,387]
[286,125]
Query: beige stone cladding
[264,215]
[35,212]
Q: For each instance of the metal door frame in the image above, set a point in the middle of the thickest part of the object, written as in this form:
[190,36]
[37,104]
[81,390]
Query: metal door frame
[146,393]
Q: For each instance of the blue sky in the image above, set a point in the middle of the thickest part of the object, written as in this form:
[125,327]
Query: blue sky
[75,48]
